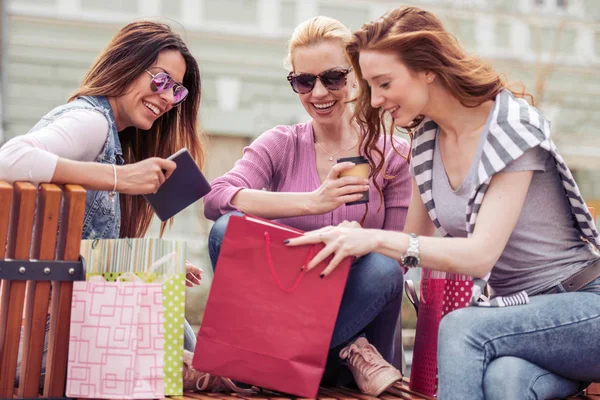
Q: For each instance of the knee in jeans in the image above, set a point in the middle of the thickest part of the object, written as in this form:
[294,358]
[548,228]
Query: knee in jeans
[462,321]
[455,328]
[525,380]
[502,370]
[217,232]
[216,235]
[387,269]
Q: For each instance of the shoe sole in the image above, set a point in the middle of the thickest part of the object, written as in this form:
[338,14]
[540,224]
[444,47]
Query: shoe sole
[387,385]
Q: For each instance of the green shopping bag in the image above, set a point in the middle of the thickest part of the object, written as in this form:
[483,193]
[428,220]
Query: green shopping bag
[113,258]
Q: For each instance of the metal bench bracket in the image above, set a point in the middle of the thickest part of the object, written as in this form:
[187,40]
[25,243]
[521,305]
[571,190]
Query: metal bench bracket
[36,270]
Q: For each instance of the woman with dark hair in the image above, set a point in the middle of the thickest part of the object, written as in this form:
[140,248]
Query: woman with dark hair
[137,105]
[488,177]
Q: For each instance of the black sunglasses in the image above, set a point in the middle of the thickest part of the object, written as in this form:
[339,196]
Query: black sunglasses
[332,79]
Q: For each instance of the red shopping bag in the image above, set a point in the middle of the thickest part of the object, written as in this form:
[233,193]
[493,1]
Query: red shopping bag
[267,323]
[440,294]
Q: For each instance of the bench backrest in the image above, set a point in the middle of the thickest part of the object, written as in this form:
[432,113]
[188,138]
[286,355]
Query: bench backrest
[30,230]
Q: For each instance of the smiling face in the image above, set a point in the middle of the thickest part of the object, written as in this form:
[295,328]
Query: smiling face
[140,106]
[403,93]
[322,104]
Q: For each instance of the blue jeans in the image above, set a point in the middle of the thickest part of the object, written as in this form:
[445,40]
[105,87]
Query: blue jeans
[545,349]
[189,337]
[371,301]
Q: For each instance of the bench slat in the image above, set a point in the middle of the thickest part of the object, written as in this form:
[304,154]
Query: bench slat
[68,250]
[352,393]
[200,396]
[593,389]
[19,245]
[398,391]
[6,194]
[38,293]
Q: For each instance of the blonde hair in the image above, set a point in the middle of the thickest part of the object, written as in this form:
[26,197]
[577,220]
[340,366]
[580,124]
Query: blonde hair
[316,30]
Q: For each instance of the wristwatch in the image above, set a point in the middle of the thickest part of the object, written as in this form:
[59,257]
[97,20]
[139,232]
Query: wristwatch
[412,258]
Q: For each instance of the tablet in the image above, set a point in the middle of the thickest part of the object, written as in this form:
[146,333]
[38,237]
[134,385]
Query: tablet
[185,186]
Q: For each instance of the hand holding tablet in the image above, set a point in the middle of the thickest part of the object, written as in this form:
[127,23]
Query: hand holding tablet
[185,186]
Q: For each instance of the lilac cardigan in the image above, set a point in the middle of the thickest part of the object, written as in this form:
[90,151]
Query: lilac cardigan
[283,160]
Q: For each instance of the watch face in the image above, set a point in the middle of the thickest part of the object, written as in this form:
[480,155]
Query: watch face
[411,261]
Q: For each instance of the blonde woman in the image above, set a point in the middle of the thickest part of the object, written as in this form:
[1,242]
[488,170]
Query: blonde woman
[297,167]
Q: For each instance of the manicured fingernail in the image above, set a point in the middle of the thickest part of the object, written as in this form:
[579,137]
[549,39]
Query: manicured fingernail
[322,276]
[286,241]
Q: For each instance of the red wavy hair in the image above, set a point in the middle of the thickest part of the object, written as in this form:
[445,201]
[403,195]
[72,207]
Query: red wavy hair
[421,43]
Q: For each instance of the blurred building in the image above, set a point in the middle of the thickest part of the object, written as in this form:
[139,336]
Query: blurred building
[552,45]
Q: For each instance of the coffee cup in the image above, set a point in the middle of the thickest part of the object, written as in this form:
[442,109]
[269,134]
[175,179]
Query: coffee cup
[360,169]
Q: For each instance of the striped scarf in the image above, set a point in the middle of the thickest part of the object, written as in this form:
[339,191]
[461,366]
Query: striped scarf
[516,127]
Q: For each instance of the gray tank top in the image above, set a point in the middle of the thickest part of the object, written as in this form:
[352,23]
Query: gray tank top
[545,247]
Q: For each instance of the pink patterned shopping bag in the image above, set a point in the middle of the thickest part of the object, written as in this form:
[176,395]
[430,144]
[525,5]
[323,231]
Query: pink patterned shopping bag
[440,294]
[151,260]
[116,345]
[457,293]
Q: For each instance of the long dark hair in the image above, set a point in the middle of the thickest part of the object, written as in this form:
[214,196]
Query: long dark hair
[130,52]
[420,41]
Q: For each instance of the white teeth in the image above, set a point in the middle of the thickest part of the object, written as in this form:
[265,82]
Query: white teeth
[324,105]
[393,110]
[152,108]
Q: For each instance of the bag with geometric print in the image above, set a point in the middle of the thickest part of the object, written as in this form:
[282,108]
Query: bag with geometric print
[128,264]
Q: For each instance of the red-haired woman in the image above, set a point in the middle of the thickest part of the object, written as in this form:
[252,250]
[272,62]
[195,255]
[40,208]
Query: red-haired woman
[487,176]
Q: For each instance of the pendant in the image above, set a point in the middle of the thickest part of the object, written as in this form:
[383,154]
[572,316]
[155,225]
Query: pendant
[330,158]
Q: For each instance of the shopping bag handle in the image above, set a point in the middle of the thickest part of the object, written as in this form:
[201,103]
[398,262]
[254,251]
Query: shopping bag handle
[425,275]
[411,294]
[274,273]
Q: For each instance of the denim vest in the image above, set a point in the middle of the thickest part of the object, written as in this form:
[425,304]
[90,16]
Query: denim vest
[102,218]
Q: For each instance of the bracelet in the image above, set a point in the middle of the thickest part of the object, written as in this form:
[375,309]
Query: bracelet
[115,175]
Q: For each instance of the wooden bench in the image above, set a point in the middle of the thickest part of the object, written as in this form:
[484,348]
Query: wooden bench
[29,226]
[32,291]
[399,391]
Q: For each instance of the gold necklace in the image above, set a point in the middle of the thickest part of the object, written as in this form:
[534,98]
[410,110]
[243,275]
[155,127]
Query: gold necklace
[331,156]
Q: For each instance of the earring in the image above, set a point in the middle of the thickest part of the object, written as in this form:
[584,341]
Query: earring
[430,79]
[354,84]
